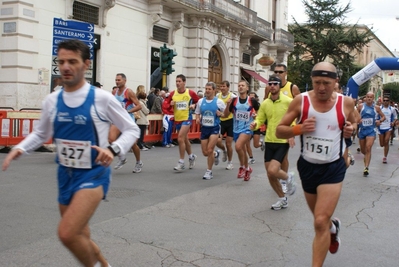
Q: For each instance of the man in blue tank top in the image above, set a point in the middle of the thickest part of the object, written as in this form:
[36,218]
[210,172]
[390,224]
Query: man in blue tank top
[78,118]
[208,111]
[368,113]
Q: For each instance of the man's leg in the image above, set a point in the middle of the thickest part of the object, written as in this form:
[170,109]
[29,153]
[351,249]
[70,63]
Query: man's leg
[241,150]
[274,173]
[322,205]
[74,218]
[368,145]
[387,137]
[229,147]
[97,251]
[184,143]
[210,150]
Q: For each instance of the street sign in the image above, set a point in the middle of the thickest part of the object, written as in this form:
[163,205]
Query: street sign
[70,29]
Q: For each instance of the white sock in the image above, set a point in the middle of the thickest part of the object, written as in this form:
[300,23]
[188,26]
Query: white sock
[181,161]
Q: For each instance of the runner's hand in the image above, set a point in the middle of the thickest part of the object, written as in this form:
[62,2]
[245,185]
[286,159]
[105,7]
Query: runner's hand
[105,156]
[12,155]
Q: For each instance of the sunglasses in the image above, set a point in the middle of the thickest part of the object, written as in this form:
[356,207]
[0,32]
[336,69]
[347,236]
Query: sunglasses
[279,71]
[275,84]
[386,100]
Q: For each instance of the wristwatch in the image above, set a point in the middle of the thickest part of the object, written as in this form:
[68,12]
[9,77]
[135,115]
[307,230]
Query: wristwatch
[114,149]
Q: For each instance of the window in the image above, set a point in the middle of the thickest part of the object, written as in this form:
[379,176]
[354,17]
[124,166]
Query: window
[85,12]
[246,58]
[160,34]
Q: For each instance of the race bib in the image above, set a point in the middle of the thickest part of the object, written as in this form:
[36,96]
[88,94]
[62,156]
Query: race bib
[367,122]
[74,153]
[318,148]
[242,115]
[208,121]
[181,105]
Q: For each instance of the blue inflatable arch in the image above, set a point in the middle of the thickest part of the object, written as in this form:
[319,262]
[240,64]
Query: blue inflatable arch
[365,74]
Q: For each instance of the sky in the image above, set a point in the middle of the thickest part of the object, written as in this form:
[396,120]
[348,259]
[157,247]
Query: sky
[380,15]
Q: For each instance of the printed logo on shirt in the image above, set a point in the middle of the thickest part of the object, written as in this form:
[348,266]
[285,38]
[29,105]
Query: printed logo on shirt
[80,119]
[64,117]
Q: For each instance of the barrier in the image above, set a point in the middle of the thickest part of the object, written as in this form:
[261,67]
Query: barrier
[16,125]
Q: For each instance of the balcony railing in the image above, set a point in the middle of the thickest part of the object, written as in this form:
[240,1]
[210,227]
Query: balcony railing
[282,37]
[264,29]
[228,9]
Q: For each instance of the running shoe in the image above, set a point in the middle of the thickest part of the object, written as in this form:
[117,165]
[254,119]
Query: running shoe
[241,172]
[120,164]
[224,158]
[138,167]
[280,204]
[291,184]
[191,161]
[248,174]
[335,241]
[144,148]
[284,186]
[358,150]
[217,157]
[251,161]
[229,166]
[179,167]
[352,158]
[384,160]
[208,175]
[366,171]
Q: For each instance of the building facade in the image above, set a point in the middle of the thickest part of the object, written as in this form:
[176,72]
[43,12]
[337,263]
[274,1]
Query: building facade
[215,40]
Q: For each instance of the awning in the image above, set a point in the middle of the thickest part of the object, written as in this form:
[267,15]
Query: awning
[255,75]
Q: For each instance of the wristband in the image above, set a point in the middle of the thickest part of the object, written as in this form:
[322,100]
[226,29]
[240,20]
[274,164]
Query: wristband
[297,129]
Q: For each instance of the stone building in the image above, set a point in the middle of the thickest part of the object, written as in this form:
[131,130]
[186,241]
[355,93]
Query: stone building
[214,40]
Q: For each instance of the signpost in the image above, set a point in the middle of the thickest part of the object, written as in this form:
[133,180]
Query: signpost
[71,29]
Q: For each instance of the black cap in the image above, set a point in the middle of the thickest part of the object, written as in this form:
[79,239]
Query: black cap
[274,79]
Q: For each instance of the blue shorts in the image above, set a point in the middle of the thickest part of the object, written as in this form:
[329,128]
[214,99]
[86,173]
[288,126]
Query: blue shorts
[179,124]
[236,135]
[71,180]
[312,175]
[383,131]
[366,132]
[206,132]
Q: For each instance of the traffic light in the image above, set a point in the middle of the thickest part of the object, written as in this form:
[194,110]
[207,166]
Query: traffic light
[166,56]
[171,55]
[163,57]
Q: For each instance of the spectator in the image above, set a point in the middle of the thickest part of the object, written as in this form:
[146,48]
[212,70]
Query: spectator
[139,89]
[142,122]
[98,85]
[166,89]
[150,98]
[200,94]
[167,122]
[157,106]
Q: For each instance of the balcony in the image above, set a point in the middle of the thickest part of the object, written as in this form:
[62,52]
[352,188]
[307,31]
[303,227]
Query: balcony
[233,13]
[284,39]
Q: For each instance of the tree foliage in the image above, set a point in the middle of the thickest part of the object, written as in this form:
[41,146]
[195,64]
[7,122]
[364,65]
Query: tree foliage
[393,90]
[325,36]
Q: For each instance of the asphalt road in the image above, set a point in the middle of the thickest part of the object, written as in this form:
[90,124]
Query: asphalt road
[162,218]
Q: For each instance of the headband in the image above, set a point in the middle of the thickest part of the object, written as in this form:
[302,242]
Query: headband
[324,73]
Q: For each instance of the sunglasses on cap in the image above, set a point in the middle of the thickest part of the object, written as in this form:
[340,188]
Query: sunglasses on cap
[273,83]
[279,71]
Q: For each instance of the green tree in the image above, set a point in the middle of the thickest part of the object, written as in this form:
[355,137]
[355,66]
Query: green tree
[325,36]
[393,90]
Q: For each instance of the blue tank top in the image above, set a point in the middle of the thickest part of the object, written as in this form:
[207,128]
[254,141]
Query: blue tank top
[125,103]
[242,115]
[73,130]
[368,116]
[208,113]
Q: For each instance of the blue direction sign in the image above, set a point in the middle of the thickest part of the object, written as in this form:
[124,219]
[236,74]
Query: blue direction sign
[70,29]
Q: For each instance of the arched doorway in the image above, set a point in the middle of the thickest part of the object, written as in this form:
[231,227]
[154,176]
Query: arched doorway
[215,67]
